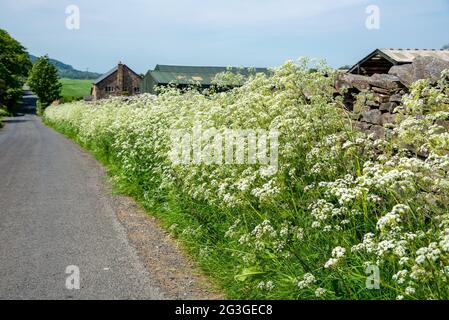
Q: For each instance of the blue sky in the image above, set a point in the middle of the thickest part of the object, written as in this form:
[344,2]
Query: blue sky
[220,32]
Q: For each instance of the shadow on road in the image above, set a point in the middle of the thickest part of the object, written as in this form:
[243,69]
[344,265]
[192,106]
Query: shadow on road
[15,120]
[28,106]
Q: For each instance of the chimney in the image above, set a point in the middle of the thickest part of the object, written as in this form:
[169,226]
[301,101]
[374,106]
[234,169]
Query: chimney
[120,76]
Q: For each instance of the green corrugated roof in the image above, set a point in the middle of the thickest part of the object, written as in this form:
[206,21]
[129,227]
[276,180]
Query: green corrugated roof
[189,69]
[162,77]
[164,74]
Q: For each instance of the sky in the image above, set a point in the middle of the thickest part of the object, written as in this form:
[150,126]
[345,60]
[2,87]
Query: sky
[256,33]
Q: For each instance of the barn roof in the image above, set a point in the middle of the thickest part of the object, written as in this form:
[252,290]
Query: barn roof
[165,77]
[407,55]
[206,69]
[105,75]
[112,71]
[165,74]
[382,59]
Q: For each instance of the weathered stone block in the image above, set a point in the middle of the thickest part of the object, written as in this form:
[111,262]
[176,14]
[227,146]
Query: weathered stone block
[381,90]
[373,104]
[422,68]
[372,116]
[347,81]
[381,98]
[385,81]
[378,131]
[388,118]
[396,98]
[388,106]
[363,126]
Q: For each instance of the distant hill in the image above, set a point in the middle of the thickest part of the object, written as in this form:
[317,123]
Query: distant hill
[67,71]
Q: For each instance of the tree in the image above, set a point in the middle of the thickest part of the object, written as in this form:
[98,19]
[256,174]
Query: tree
[44,82]
[345,67]
[14,67]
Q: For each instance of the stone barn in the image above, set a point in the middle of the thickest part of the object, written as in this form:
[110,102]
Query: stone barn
[380,61]
[119,81]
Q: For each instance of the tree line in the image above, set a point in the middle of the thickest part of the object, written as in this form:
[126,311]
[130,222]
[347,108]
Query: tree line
[16,69]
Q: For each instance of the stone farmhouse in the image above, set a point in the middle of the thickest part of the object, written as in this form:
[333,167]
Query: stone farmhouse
[119,81]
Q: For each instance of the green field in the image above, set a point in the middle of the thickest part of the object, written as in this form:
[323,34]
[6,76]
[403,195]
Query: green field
[73,88]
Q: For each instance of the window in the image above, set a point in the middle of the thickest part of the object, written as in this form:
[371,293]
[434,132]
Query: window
[109,89]
[136,89]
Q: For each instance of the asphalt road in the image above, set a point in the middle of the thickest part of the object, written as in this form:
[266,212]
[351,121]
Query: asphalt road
[54,214]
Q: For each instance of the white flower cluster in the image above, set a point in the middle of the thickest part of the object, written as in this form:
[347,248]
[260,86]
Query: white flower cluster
[430,253]
[308,280]
[338,254]
[393,217]
[319,292]
[269,285]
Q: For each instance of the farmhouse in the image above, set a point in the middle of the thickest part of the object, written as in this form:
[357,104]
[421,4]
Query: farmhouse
[184,76]
[120,80]
[380,61]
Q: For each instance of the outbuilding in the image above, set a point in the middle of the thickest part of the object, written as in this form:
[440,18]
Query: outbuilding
[381,60]
[185,76]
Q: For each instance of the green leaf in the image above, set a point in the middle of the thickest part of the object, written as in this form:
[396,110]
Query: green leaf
[247,273]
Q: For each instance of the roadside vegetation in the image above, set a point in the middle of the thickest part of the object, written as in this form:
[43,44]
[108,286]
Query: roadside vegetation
[14,67]
[44,82]
[3,113]
[340,204]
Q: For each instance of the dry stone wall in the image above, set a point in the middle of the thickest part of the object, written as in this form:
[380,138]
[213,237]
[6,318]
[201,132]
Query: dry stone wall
[381,94]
